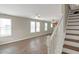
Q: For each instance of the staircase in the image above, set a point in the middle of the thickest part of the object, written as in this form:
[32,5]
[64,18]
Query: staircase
[71,43]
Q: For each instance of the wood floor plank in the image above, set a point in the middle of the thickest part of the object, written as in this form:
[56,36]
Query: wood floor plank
[27,46]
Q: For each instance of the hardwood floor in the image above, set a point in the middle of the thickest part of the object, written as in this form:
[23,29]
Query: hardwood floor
[28,46]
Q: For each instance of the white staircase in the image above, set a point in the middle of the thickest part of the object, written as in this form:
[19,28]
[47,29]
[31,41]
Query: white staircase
[55,42]
[71,43]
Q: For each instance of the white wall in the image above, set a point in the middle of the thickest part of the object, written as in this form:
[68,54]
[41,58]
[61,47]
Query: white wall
[46,11]
[21,29]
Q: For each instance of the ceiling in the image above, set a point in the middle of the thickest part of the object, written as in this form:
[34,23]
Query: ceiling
[45,11]
[74,6]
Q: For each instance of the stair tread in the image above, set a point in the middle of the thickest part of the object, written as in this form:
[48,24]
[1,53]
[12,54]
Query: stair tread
[69,51]
[73,15]
[73,21]
[72,18]
[70,43]
[72,37]
[72,25]
[70,15]
[72,40]
[73,29]
[72,34]
[71,47]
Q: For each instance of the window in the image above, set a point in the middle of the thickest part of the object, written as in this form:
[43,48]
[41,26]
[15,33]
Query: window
[37,26]
[5,27]
[51,25]
[45,26]
[32,26]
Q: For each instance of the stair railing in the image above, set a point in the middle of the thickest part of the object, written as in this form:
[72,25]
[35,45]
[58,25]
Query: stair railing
[52,42]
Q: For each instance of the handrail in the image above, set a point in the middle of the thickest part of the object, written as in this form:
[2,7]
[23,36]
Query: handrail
[51,42]
[55,29]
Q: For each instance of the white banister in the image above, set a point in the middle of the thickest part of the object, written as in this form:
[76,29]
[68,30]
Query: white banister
[53,39]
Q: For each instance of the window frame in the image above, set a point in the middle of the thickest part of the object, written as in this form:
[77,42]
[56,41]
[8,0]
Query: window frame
[3,27]
[38,26]
[51,25]
[31,24]
[45,26]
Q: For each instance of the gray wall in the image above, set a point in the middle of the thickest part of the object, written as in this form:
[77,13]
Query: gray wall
[21,29]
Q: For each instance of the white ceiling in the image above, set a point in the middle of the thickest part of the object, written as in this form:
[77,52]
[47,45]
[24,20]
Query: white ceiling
[74,6]
[46,11]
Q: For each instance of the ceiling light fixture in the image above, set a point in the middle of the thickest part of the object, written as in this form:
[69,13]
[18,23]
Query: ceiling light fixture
[37,16]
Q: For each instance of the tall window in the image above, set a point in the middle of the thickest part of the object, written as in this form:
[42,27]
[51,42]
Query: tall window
[32,26]
[5,27]
[45,26]
[37,26]
[51,25]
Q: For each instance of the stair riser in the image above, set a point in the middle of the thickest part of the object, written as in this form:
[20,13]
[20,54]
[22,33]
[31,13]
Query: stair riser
[75,44]
[76,15]
[73,17]
[72,31]
[72,27]
[70,51]
[73,20]
[70,18]
[75,23]
[72,40]
[72,37]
